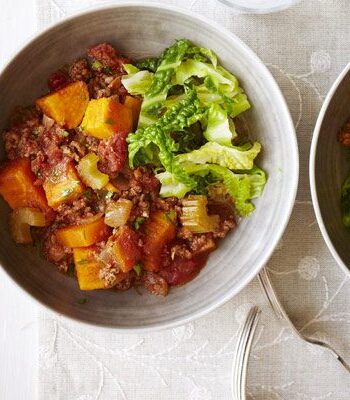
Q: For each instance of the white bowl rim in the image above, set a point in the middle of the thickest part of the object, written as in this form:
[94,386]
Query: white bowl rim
[312,175]
[294,157]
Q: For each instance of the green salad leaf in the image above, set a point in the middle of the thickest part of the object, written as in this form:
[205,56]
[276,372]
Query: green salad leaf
[156,94]
[150,64]
[220,128]
[236,158]
[137,83]
[180,116]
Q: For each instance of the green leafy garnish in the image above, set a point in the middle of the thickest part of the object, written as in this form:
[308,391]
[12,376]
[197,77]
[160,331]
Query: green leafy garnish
[83,261]
[65,133]
[138,269]
[97,65]
[70,270]
[82,301]
[110,121]
[88,194]
[138,222]
[109,195]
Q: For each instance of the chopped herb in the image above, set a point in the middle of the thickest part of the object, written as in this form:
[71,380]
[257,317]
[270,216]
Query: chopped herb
[83,261]
[138,269]
[70,270]
[108,70]
[65,133]
[138,222]
[88,194]
[110,121]
[171,215]
[82,301]
[67,192]
[96,65]
[109,195]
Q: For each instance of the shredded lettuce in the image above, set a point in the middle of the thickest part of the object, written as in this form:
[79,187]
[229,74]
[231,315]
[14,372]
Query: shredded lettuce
[220,128]
[150,64]
[180,116]
[137,83]
[257,178]
[156,95]
[236,158]
[170,186]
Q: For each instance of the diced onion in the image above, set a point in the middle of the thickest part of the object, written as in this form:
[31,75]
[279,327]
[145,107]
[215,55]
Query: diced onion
[118,212]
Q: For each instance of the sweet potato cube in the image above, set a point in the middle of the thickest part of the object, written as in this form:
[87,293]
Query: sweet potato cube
[87,268]
[83,235]
[160,230]
[134,103]
[67,105]
[106,116]
[17,186]
[125,248]
[62,185]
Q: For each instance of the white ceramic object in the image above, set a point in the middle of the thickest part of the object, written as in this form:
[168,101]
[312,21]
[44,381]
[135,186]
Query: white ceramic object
[329,167]
[260,6]
[139,30]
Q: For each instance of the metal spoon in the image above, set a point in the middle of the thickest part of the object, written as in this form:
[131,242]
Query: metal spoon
[242,351]
[266,284]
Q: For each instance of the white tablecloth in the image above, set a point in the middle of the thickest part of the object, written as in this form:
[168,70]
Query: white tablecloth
[305,48]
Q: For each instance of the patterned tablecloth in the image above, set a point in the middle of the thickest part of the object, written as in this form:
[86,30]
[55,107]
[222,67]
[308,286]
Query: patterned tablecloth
[305,48]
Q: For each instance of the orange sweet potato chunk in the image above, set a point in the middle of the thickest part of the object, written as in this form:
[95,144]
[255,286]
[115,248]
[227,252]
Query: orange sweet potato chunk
[106,116]
[63,185]
[87,268]
[67,105]
[134,103]
[125,248]
[17,186]
[83,235]
[160,230]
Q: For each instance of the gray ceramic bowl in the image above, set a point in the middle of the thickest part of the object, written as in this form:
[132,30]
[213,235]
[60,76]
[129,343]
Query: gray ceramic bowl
[329,166]
[139,30]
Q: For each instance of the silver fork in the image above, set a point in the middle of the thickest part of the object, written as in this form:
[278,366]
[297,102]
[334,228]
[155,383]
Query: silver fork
[266,284]
[240,360]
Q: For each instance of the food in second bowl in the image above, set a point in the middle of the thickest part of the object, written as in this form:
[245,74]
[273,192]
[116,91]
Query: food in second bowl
[344,138]
[128,174]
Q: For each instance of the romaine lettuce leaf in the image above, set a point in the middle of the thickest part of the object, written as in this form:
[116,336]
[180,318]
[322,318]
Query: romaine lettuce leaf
[257,178]
[220,128]
[236,158]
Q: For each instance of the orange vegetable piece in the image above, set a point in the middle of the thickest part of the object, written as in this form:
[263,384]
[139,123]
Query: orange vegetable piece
[63,185]
[83,235]
[134,103]
[160,230]
[125,248]
[67,105]
[106,116]
[88,269]
[17,186]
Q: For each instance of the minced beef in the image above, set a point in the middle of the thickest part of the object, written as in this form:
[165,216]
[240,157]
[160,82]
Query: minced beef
[74,212]
[80,71]
[113,153]
[54,251]
[107,55]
